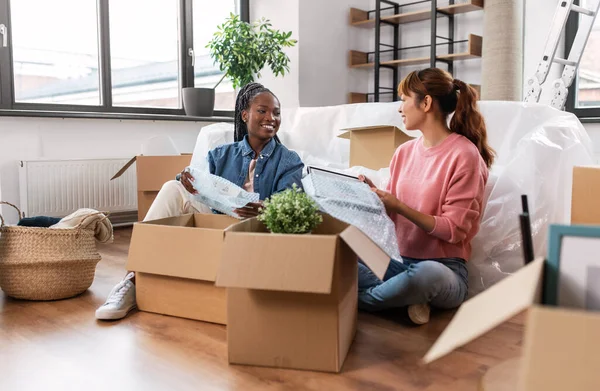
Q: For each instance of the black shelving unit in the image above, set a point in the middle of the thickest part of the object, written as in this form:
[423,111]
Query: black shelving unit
[396,49]
[378,20]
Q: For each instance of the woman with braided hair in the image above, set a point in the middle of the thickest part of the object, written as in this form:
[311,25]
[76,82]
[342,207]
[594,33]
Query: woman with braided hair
[256,161]
[434,197]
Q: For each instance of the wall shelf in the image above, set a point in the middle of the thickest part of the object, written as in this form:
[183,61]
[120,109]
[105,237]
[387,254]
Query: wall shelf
[392,51]
[360,59]
[360,18]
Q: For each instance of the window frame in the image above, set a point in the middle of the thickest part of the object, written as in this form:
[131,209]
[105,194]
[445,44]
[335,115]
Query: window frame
[585,114]
[8,106]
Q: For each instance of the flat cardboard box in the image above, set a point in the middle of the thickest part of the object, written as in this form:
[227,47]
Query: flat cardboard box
[152,173]
[585,200]
[561,347]
[292,299]
[176,261]
[374,146]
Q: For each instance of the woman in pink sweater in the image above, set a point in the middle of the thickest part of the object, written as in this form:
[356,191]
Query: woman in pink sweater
[434,197]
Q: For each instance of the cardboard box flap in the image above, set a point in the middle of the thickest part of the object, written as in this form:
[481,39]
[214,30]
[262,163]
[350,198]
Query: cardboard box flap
[585,194]
[154,171]
[370,253]
[162,168]
[560,350]
[152,244]
[186,220]
[304,263]
[490,308]
[124,168]
[348,131]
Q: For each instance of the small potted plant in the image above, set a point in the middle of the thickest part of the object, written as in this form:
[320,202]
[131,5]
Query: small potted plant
[241,50]
[291,211]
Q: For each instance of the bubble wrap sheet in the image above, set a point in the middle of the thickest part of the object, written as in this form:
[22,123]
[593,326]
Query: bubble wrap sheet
[354,203]
[220,194]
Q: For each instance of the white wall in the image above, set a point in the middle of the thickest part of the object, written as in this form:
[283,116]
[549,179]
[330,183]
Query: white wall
[325,39]
[319,74]
[24,138]
[284,15]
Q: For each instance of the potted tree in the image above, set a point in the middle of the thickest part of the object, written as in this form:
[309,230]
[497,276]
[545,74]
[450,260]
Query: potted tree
[242,50]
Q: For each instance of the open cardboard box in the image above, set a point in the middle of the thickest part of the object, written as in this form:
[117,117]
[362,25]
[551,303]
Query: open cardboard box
[292,299]
[176,261]
[152,173]
[561,347]
[374,146]
[585,200]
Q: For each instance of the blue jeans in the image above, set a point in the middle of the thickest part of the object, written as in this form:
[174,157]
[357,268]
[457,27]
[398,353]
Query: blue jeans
[441,282]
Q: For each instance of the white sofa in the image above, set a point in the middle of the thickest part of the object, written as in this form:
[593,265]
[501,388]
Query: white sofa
[536,146]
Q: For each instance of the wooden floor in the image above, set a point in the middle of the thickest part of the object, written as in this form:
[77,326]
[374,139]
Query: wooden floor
[60,346]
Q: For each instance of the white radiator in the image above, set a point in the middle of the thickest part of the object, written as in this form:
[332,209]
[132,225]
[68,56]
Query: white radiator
[59,187]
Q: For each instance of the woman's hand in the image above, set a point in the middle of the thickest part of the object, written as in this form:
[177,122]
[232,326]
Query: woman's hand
[250,210]
[186,180]
[366,180]
[391,203]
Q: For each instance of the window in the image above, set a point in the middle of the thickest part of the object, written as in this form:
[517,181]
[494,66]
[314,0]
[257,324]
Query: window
[144,53]
[110,56]
[55,59]
[208,14]
[584,94]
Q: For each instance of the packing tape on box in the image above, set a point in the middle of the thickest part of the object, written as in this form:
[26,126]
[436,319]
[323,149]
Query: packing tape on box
[353,202]
[219,193]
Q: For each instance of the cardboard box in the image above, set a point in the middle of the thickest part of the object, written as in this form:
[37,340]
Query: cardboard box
[585,200]
[561,347]
[152,173]
[176,261]
[374,146]
[292,299]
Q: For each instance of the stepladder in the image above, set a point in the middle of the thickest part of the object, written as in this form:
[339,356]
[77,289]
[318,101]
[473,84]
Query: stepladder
[560,87]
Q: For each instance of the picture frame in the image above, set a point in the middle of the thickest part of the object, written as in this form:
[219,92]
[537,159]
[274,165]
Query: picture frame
[572,275]
[339,175]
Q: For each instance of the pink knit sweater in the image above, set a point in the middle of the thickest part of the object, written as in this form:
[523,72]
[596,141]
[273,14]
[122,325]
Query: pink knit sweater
[446,181]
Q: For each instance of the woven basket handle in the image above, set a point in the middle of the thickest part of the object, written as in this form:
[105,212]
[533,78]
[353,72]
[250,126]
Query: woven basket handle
[9,204]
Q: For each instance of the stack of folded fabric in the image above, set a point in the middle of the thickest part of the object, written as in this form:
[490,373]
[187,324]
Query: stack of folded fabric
[89,219]
[38,221]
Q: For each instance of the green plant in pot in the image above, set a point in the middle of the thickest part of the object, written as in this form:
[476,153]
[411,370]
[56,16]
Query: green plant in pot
[291,211]
[242,50]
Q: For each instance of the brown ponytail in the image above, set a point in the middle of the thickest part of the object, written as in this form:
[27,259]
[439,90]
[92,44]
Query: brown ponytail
[468,121]
[452,95]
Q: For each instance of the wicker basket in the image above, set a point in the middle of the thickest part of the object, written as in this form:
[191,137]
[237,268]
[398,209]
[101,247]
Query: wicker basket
[44,263]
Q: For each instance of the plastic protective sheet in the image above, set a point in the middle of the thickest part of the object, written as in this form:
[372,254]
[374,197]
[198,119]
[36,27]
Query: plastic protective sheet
[219,193]
[536,146]
[210,137]
[353,202]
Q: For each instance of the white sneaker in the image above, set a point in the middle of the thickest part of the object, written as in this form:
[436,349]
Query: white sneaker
[419,313]
[120,301]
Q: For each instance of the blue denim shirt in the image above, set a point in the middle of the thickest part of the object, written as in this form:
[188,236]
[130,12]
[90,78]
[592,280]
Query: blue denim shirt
[277,168]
